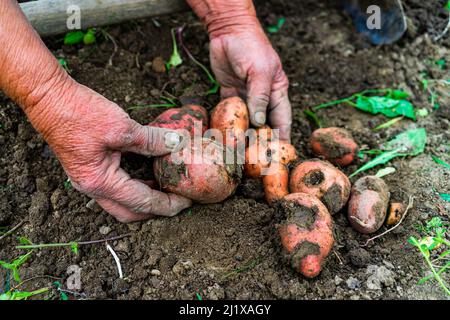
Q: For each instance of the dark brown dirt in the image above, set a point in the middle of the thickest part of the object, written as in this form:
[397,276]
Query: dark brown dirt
[230,250]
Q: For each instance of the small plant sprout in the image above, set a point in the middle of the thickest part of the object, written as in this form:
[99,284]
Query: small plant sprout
[408,143]
[434,247]
[64,64]
[76,37]
[392,103]
[74,245]
[277,27]
[215,85]
[175,59]
[15,265]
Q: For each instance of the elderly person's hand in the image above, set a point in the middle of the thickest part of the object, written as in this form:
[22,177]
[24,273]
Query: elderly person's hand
[86,131]
[245,62]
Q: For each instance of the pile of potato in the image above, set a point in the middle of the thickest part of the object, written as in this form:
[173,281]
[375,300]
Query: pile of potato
[306,192]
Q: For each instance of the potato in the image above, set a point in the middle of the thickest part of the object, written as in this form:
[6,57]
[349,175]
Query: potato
[262,134]
[322,180]
[334,144]
[231,118]
[183,118]
[306,234]
[259,156]
[276,184]
[368,204]
[209,180]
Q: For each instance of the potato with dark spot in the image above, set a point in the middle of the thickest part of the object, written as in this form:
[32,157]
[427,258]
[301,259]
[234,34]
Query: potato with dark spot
[306,234]
[260,156]
[187,118]
[368,204]
[322,180]
[198,172]
[231,118]
[335,145]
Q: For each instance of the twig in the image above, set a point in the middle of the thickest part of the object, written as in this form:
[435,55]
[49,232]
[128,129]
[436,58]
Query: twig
[116,259]
[440,36]
[52,245]
[116,48]
[338,257]
[410,204]
[8,233]
[33,278]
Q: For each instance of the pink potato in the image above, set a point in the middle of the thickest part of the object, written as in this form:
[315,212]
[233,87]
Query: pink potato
[322,180]
[198,172]
[368,204]
[306,234]
[186,117]
[334,144]
[230,117]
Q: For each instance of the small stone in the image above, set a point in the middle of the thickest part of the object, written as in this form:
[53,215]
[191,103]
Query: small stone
[359,257]
[39,208]
[215,292]
[182,267]
[154,257]
[159,65]
[338,280]
[155,272]
[379,276]
[123,246]
[104,230]
[94,206]
[127,98]
[353,283]
[58,199]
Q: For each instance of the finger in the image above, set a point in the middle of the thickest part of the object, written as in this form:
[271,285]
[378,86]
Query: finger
[227,92]
[258,97]
[280,111]
[150,141]
[120,212]
[136,196]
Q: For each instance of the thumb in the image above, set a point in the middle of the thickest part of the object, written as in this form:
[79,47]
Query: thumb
[258,97]
[153,141]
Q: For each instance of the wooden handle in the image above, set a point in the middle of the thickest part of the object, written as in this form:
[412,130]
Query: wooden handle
[49,17]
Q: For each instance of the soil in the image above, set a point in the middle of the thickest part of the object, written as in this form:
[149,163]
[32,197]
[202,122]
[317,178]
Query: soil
[231,250]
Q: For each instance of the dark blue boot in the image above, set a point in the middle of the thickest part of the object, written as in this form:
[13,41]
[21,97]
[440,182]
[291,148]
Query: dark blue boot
[392,19]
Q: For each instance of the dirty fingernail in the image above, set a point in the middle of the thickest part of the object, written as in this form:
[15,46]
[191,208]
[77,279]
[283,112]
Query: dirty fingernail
[260,118]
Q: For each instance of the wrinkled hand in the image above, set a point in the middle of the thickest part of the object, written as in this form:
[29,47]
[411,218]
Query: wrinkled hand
[87,132]
[246,64]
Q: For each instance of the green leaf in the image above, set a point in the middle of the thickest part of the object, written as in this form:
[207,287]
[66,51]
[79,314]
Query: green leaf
[89,38]
[447,6]
[441,162]
[74,37]
[413,241]
[445,196]
[408,143]
[381,159]
[24,241]
[398,95]
[199,297]
[389,107]
[276,28]
[74,247]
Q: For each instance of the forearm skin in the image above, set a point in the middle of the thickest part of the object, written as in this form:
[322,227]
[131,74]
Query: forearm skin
[225,17]
[29,73]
